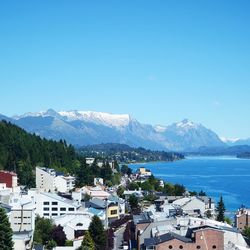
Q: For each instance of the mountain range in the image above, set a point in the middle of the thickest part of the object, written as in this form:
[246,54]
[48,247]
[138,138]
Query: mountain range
[82,128]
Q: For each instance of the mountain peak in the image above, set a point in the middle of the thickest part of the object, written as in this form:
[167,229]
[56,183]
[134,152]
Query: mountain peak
[186,123]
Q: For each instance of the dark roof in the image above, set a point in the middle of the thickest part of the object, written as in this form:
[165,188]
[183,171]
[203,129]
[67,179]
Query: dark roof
[97,203]
[165,237]
[38,247]
[6,207]
[143,218]
[230,229]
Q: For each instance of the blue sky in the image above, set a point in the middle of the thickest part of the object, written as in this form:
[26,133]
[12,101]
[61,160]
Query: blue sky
[160,61]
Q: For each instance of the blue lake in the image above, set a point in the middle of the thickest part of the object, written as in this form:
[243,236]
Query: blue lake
[226,176]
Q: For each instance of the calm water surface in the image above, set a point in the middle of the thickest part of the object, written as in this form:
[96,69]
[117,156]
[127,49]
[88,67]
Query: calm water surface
[226,176]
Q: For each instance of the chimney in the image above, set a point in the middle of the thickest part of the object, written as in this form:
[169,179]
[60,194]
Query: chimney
[210,203]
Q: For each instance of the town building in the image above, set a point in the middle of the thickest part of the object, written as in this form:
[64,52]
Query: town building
[203,237]
[21,213]
[144,173]
[48,180]
[98,181]
[74,224]
[242,218]
[9,178]
[90,161]
[50,205]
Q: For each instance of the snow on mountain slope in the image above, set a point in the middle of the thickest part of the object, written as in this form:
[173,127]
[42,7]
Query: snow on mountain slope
[115,120]
[89,127]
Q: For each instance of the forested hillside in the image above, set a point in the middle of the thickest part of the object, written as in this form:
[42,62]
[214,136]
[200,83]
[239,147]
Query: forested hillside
[22,152]
[126,154]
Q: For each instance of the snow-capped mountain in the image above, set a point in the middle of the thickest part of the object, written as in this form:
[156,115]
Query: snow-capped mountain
[89,127]
[187,135]
[235,141]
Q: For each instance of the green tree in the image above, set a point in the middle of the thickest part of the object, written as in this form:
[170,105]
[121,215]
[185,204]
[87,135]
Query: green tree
[97,233]
[246,232]
[168,189]
[126,170]
[120,191]
[133,186]
[220,209]
[88,241]
[51,244]
[228,220]
[6,242]
[147,186]
[133,201]
[202,193]
[43,229]
[179,190]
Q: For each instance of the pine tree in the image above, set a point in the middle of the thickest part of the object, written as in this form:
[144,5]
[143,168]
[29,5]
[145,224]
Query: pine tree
[88,242]
[6,242]
[97,233]
[220,210]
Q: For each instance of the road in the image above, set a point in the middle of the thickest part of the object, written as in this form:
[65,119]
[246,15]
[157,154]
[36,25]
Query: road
[119,237]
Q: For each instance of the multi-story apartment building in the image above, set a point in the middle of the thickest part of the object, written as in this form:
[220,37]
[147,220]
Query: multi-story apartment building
[21,213]
[50,205]
[48,180]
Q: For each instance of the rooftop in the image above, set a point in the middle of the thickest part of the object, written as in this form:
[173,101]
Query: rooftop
[61,199]
[165,237]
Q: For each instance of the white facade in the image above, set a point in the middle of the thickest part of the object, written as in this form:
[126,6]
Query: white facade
[90,161]
[95,192]
[2,186]
[45,179]
[21,213]
[50,205]
[64,183]
[72,223]
[191,205]
[48,181]
[98,181]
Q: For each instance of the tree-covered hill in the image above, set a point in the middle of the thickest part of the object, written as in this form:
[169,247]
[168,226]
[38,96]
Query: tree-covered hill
[21,152]
[126,154]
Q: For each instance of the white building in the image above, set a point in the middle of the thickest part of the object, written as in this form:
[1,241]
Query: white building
[50,205]
[64,183]
[74,225]
[191,205]
[95,192]
[90,161]
[98,181]
[21,212]
[47,180]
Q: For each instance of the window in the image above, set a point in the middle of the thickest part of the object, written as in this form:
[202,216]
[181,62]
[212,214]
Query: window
[54,214]
[46,208]
[63,209]
[54,203]
[54,209]
[46,203]
[181,247]
[113,212]
[71,209]
[170,247]
[62,214]
[214,247]
[45,214]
